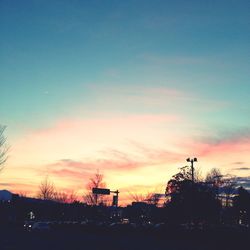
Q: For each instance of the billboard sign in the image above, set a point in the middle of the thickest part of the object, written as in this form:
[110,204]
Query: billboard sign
[100,191]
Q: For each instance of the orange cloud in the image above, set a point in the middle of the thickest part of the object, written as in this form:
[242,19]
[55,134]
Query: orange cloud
[130,151]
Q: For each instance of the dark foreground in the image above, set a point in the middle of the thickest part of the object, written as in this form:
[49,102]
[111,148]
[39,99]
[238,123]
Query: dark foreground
[13,238]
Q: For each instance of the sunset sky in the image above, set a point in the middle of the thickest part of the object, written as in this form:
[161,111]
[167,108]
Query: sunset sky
[131,88]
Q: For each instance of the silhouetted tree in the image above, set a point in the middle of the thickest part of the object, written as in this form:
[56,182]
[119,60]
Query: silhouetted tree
[72,197]
[215,179]
[214,176]
[22,194]
[223,186]
[46,190]
[95,182]
[135,197]
[153,198]
[63,197]
[60,197]
[3,147]
[190,200]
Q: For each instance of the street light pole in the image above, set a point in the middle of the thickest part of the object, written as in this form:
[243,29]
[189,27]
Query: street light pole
[192,166]
[192,173]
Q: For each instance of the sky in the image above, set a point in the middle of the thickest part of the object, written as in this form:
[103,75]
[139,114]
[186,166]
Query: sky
[131,88]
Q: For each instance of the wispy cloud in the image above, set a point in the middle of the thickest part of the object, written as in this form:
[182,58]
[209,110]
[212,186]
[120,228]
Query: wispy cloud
[222,136]
[242,169]
[238,163]
[243,181]
[155,98]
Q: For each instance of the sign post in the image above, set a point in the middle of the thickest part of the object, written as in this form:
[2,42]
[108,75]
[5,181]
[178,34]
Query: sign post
[106,191]
[115,198]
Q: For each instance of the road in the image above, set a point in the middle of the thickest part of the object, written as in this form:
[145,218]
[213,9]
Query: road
[17,239]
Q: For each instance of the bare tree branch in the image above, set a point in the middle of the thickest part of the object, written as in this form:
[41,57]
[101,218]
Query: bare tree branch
[95,182]
[46,190]
[3,147]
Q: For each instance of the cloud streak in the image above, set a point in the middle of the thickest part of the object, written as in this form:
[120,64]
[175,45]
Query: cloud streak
[130,150]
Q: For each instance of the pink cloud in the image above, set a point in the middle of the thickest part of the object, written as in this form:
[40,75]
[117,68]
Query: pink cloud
[85,169]
[223,147]
[221,154]
[124,147]
[64,172]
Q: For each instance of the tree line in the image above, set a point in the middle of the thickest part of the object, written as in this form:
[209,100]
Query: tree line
[215,199]
[189,197]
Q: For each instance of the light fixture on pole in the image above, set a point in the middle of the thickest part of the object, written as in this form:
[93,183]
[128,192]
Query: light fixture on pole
[192,166]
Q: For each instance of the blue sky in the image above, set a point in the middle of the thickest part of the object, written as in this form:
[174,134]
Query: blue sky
[63,60]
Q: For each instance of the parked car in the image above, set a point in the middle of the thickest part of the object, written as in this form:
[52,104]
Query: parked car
[41,227]
[28,225]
